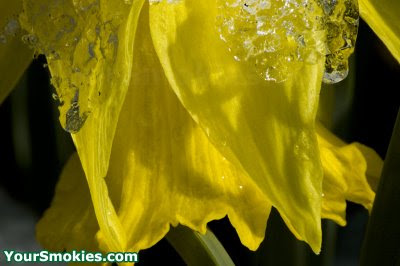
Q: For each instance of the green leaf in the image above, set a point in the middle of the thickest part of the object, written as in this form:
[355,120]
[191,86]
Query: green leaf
[382,242]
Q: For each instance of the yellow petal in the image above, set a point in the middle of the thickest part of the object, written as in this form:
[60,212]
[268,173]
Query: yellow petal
[89,47]
[383,17]
[15,56]
[346,168]
[374,165]
[167,169]
[163,170]
[265,127]
[70,223]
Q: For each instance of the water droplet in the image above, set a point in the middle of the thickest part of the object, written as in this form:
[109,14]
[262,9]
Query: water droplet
[240,187]
[223,177]
[323,194]
[335,76]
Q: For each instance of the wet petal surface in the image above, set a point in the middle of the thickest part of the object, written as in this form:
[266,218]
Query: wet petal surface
[265,127]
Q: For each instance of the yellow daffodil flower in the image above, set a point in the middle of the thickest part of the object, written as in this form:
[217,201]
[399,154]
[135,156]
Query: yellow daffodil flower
[177,119]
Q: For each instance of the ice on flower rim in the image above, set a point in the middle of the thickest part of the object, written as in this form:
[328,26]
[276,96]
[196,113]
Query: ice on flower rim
[90,53]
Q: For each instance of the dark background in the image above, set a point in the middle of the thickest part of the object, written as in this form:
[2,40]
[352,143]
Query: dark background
[34,147]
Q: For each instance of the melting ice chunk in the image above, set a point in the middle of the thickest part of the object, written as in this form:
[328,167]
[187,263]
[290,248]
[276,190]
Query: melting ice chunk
[276,36]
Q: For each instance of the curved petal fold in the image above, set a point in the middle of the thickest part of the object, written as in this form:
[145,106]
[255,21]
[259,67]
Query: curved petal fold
[383,17]
[351,172]
[265,127]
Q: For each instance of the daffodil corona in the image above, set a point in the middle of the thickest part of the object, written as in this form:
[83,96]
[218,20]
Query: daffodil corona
[188,111]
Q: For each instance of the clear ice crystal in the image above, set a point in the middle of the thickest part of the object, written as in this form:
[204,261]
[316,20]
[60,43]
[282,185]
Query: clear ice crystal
[77,42]
[341,25]
[74,119]
[276,36]
[273,36]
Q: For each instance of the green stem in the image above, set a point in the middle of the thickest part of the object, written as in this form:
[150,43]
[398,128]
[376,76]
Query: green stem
[197,249]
